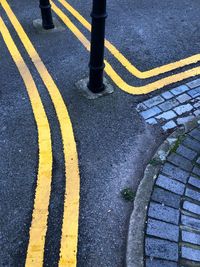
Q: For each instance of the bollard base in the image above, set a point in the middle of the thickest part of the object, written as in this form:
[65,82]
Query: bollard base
[37,24]
[82,86]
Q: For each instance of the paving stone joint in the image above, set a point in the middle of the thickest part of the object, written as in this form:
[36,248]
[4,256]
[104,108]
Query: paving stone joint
[166,234]
[171,229]
[173,108]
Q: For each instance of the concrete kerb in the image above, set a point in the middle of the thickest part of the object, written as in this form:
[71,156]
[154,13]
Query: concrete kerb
[136,233]
[83,89]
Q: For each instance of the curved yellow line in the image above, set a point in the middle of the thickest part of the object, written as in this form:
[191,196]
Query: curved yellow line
[151,86]
[43,188]
[113,74]
[124,61]
[69,237]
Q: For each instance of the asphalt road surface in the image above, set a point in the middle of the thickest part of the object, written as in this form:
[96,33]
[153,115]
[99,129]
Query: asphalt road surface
[114,143]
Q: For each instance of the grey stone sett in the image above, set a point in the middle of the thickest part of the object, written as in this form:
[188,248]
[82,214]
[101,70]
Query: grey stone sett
[190,222]
[153,101]
[169,125]
[141,107]
[183,98]
[181,162]
[195,100]
[192,143]
[194,181]
[160,223]
[196,112]
[168,115]
[194,83]
[163,230]
[180,110]
[170,184]
[185,120]
[190,254]
[198,161]
[167,105]
[178,107]
[165,197]
[152,121]
[175,172]
[160,263]
[195,92]
[150,112]
[197,105]
[179,90]
[164,213]
[167,95]
[196,171]
[189,206]
[186,152]
[192,194]
[190,237]
[162,249]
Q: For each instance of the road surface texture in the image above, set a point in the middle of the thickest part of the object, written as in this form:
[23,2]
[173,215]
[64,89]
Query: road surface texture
[113,140]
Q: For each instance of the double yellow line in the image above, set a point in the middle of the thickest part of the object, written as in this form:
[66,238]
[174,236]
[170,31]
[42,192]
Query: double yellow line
[68,249]
[123,60]
[132,69]
[45,147]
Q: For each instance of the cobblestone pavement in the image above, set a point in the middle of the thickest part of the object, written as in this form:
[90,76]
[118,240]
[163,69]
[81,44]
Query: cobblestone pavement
[173,223]
[174,107]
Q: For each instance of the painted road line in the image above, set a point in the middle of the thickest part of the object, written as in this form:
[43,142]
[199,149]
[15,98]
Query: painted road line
[113,74]
[44,177]
[123,60]
[69,239]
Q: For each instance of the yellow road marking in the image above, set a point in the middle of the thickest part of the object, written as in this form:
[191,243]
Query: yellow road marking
[124,61]
[44,177]
[112,73]
[69,237]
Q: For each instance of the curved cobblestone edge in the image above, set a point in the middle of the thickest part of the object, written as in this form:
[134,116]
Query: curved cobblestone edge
[137,226]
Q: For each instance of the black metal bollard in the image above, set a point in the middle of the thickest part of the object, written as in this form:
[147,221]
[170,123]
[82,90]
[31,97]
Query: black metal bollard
[96,64]
[47,21]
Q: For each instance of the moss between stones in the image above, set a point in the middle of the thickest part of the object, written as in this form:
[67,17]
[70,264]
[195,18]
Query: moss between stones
[177,143]
[128,194]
